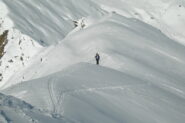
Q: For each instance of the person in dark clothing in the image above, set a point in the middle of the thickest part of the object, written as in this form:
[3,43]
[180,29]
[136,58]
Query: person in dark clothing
[97,57]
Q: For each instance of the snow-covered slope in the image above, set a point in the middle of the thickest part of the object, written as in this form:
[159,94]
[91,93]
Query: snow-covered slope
[90,93]
[18,51]
[5,22]
[16,48]
[125,44]
[13,110]
[166,15]
[49,21]
[143,75]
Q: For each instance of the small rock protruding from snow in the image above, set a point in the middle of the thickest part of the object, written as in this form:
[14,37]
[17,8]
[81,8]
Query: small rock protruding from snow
[79,23]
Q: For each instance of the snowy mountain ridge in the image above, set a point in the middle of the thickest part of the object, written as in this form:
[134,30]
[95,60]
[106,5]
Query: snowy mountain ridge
[108,96]
[166,15]
[50,22]
[48,61]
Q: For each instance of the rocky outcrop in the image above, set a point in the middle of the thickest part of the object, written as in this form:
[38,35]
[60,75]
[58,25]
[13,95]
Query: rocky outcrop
[3,42]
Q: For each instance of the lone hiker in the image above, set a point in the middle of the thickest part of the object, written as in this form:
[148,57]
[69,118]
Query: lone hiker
[97,57]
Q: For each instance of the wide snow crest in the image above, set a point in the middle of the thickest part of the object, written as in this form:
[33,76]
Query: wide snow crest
[105,94]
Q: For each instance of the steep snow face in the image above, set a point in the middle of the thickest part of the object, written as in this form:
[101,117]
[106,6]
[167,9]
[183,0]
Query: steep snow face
[166,15]
[13,110]
[90,93]
[49,21]
[5,22]
[18,51]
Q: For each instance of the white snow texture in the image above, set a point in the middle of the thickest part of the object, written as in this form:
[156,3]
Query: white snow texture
[48,66]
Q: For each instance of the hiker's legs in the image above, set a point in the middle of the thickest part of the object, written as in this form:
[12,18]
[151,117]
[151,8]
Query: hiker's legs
[97,62]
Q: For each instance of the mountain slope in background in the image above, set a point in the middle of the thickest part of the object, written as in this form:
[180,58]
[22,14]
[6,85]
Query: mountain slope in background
[49,22]
[166,15]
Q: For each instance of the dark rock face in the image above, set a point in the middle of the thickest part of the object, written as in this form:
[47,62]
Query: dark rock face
[3,42]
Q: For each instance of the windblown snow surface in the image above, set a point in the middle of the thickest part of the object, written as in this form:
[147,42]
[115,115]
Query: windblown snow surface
[141,74]
[13,110]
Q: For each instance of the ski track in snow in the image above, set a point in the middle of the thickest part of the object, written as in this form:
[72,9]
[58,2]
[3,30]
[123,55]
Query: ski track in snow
[56,102]
[96,90]
[51,94]
[68,91]
[58,105]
